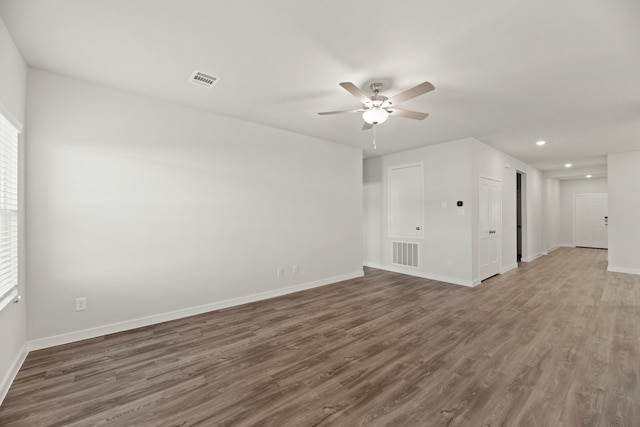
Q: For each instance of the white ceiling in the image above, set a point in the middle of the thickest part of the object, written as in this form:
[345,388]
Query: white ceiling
[508,72]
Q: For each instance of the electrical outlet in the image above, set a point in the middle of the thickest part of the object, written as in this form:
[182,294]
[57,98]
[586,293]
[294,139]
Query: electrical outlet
[280,271]
[295,269]
[81,303]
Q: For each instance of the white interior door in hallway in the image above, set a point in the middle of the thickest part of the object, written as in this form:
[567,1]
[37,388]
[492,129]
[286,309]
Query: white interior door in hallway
[590,220]
[490,219]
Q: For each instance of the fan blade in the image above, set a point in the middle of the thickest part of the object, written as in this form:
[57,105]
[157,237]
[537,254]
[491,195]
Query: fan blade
[355,91]
[396,112]
[421,89]
[366,126]
[325,113]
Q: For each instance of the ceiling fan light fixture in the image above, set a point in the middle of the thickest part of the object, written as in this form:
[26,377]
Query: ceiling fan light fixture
[375,116]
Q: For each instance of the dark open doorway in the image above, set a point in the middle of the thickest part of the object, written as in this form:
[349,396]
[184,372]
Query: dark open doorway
[519,214]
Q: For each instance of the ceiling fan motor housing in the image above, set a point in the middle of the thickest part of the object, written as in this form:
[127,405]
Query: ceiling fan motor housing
[377,100]
[375,113]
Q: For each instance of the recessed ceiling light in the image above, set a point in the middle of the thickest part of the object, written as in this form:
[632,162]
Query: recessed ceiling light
[541,143]
[588,176]
[567,165]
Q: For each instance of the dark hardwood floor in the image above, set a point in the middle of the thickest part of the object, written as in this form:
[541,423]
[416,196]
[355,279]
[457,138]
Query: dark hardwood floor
[554,343]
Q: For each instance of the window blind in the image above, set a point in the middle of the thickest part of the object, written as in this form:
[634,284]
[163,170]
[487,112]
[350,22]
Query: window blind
[8,207]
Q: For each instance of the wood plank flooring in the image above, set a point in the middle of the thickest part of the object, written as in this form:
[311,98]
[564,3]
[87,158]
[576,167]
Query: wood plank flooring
[554,343]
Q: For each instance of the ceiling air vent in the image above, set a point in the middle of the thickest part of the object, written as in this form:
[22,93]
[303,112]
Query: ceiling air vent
[203,79]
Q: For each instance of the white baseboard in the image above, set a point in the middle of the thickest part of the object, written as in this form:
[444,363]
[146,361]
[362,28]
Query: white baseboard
[99,331]
[11,375]
[533,257]
[614,269]
[551,249]
[509,268]
[561,245]
[452,280]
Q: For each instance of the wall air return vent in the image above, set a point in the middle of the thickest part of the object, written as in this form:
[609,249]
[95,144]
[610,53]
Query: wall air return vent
[203,79]
[405,254]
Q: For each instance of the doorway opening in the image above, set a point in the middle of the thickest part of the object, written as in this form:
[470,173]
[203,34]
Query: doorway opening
[521,216]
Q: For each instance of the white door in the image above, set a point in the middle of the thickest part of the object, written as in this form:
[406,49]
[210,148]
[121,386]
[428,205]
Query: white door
[591,220]
[405,200]
[490,205]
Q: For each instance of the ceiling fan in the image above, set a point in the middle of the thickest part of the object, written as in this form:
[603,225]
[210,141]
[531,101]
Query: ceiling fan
[377,108]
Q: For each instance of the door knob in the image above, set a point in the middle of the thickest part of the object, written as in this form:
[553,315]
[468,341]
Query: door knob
[418,228]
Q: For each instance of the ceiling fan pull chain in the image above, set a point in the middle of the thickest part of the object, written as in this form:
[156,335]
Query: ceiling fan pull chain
[374,137]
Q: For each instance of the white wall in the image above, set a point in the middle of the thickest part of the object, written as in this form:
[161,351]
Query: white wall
[452,172]
[568,189]
[374,212]
[624,212]
[447,176]
[535,221]
[13,78]
[153,210]
[552,214]
[13,318]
